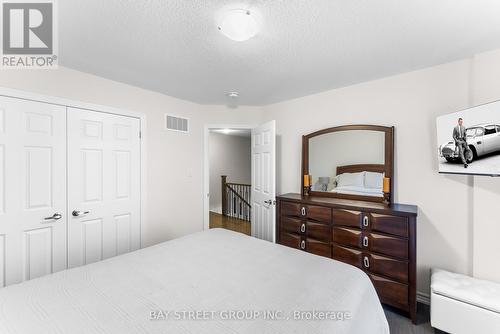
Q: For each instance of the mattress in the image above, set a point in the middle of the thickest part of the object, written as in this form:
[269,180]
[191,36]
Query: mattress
[200,283]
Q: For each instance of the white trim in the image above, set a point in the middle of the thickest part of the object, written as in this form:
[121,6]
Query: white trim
[423,298]
[19,94]
[206,165]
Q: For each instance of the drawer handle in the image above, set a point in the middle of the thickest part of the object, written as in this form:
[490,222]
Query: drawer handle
[366,221]
[366,262]
[302,244]
[365,241]
[303,211]
[303,228]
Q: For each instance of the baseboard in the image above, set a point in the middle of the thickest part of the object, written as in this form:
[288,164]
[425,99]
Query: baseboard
[423,298]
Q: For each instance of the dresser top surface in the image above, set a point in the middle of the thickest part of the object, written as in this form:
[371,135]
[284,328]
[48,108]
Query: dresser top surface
[359,205]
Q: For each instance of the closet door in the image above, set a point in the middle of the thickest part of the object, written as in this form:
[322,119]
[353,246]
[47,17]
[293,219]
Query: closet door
[32,189]
[103,185]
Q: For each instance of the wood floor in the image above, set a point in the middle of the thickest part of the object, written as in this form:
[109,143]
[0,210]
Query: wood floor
[237,225]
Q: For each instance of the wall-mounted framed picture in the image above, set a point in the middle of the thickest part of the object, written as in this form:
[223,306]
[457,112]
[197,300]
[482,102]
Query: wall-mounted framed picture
[469,141]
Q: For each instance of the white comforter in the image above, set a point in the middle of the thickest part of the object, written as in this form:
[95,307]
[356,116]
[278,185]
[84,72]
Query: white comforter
[217,271]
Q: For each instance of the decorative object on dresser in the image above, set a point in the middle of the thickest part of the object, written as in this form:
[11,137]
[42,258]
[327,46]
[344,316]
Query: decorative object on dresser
[307,185]
[353,220]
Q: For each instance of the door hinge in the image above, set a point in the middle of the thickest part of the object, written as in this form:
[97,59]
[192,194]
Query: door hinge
[140,134]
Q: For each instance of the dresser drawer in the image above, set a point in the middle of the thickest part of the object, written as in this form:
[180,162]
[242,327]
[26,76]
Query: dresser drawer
[291,209]
[346,218]
[318,247]
[394,269]
[313,212]
[306,244]
[319,213]
[318,231]
[293,225]
[290,240]
[347,255]
[387,245]
[347,236]
[388,224]
[391,292]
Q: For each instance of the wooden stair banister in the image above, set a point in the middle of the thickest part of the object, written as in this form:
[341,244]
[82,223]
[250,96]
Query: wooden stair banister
[235,199]
[237,195]
[224,194]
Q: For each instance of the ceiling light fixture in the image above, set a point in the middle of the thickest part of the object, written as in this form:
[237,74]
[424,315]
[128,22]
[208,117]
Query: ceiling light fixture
[239,25]
[233,95]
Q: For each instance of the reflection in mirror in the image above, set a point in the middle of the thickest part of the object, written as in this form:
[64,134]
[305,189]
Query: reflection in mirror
[348,162]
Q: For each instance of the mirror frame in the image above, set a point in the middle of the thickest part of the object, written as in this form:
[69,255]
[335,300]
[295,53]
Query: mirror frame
[389,160]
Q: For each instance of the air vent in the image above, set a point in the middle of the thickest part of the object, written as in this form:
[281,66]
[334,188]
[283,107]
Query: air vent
[176,123]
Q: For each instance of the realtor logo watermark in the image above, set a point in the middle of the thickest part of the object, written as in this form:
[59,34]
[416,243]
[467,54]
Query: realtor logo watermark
[29,34]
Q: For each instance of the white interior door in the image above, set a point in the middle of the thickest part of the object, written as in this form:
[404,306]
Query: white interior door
[264,181]
[32,189]
[103,185]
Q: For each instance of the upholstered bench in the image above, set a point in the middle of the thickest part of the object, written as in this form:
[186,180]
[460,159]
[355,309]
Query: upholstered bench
[462,304]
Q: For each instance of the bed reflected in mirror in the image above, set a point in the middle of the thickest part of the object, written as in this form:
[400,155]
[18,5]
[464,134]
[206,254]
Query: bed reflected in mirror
[349,161]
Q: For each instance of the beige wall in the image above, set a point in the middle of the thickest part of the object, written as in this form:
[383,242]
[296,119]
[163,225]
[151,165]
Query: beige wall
[230,156]
[174,160]
[450,209]
[485,87]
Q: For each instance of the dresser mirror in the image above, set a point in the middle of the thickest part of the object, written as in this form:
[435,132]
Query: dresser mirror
[351,162]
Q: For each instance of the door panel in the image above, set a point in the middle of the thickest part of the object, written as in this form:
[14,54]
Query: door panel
[33,173]
[37,260]
[263,181]
[92,240]
[104,185]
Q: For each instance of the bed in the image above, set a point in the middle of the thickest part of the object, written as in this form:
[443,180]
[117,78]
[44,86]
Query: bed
[367,188]
[156,289]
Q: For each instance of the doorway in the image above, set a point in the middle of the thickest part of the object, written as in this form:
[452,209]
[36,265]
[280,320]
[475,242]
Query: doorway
[261,198]
[230,176]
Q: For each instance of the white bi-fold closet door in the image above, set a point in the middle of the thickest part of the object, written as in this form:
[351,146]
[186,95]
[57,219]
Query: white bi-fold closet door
[103,185]
[53,161]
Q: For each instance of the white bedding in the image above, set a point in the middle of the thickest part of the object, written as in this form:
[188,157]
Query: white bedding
[216,270]
[352,190]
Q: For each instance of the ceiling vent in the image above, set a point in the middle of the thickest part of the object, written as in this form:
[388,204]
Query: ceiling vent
[175,123]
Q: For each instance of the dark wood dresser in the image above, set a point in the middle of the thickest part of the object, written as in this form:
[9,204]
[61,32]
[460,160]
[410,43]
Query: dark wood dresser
[378,239]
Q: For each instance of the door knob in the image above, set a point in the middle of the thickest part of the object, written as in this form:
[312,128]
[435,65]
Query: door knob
[270,202]
[77,213]
[55,216]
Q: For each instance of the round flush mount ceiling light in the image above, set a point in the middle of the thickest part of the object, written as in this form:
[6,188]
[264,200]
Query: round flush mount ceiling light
[233,95]
[238,25]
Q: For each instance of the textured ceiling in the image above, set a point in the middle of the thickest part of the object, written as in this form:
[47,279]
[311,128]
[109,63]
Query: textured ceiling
[303,47]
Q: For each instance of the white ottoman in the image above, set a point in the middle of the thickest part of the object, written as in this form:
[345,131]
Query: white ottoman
[462,304]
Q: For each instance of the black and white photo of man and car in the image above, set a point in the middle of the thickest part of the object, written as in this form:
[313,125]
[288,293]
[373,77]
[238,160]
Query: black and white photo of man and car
[469,141]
